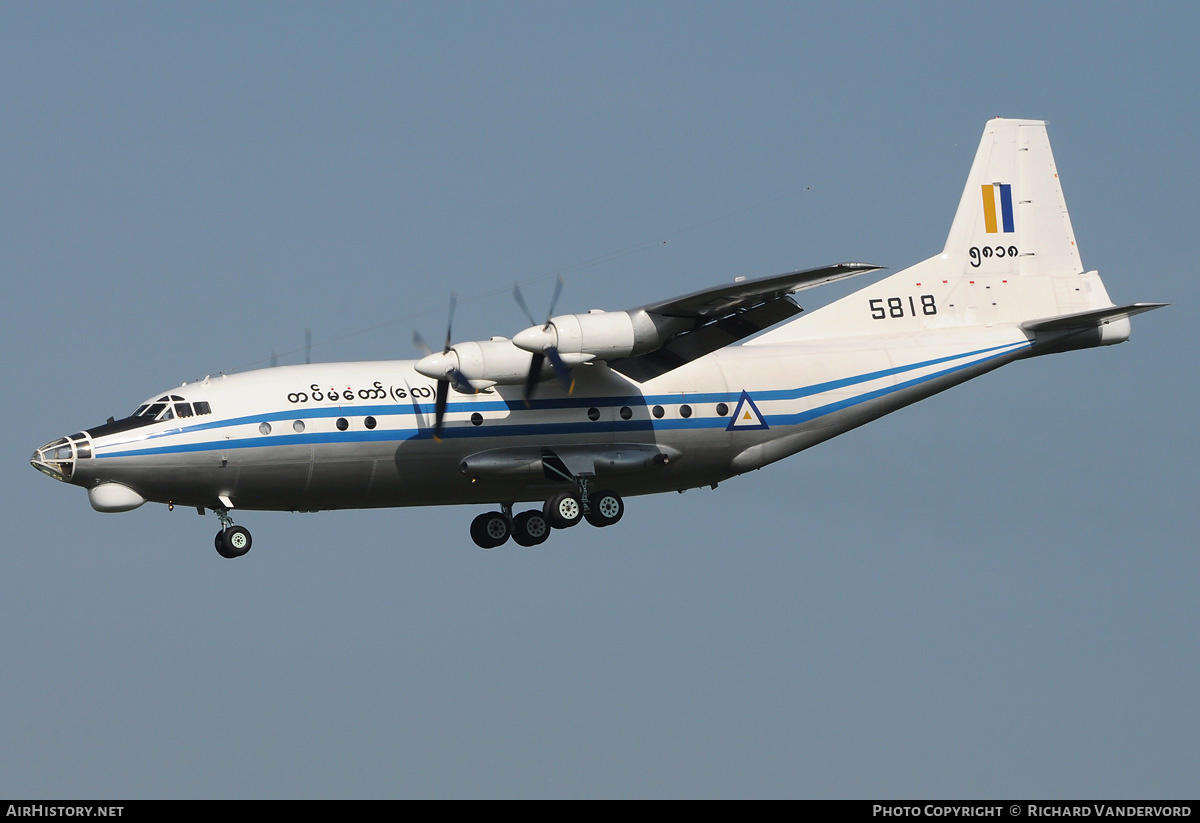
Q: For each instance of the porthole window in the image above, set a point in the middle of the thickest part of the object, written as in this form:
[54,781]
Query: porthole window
[264,428]
[343,424]
[593,414]
[476,419]
[626,412]
[298,426]
[685,410]
[658,411]
[722,409]
[369,422]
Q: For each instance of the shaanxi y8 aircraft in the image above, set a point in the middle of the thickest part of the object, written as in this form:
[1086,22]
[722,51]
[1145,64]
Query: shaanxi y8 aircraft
[584,410]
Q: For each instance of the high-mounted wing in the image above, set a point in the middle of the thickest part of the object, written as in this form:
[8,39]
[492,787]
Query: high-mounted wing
[724,300]
[653,339]
[705,339]
[727,314]
[640,343]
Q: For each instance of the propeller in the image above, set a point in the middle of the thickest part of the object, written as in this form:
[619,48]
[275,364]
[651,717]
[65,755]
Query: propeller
[542,342]
[443,367]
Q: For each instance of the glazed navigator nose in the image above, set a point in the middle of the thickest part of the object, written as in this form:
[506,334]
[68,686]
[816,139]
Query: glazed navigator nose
[57,459]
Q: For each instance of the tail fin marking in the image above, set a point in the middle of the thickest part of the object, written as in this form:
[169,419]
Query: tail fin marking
[1010,256]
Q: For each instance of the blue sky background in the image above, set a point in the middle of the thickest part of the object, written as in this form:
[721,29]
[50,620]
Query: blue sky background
[989,594]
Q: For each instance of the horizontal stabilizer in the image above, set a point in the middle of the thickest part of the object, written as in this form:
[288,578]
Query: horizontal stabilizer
[1087,319]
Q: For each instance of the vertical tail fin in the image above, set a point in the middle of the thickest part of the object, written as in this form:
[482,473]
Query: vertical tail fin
[1010,256]
[1012,218]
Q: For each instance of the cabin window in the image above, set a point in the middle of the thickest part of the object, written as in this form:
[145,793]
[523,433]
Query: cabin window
[476,419]
[298,426]
[369,422]
[658,411]
[343,424]
[685,410]
[264,428]
[722,409]
[593,414]
[626,412]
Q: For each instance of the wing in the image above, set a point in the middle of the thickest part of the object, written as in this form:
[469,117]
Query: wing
[724,300]
[640,343]
[727,314]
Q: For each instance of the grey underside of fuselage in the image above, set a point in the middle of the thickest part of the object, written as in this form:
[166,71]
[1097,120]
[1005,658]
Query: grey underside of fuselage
[420,471]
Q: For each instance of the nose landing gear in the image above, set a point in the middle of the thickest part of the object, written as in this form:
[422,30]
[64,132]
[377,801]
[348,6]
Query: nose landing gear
[231,541]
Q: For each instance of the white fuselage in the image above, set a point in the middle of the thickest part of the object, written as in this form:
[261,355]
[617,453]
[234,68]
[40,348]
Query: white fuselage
[355,435]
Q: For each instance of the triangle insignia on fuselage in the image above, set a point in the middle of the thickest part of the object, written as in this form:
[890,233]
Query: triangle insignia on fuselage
[746,417]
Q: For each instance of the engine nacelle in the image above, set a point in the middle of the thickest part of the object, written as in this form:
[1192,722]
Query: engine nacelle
[601,335]
[482,363]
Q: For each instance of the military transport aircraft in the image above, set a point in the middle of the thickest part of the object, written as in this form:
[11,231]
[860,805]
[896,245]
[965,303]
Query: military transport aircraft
[581,411]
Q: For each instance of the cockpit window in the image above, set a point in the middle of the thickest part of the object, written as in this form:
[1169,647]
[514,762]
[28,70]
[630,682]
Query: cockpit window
[168,407]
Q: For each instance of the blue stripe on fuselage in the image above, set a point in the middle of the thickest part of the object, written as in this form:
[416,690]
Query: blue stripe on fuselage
[496,430]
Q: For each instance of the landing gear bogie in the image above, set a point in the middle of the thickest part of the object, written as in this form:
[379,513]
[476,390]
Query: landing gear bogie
[561,511]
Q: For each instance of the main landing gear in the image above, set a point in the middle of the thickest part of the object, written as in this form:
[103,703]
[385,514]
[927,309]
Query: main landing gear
[561,511]
[231,541]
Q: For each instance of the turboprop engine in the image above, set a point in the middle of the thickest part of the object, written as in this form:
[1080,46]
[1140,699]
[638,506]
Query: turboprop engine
[600,335]
[478,364]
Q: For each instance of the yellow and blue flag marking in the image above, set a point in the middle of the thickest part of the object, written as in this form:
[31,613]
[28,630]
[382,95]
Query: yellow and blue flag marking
[991,193]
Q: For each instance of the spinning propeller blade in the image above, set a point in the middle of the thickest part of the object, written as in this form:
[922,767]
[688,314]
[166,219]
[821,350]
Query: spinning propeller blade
[538,361]
[449,375]
[420,343]
[450,321]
